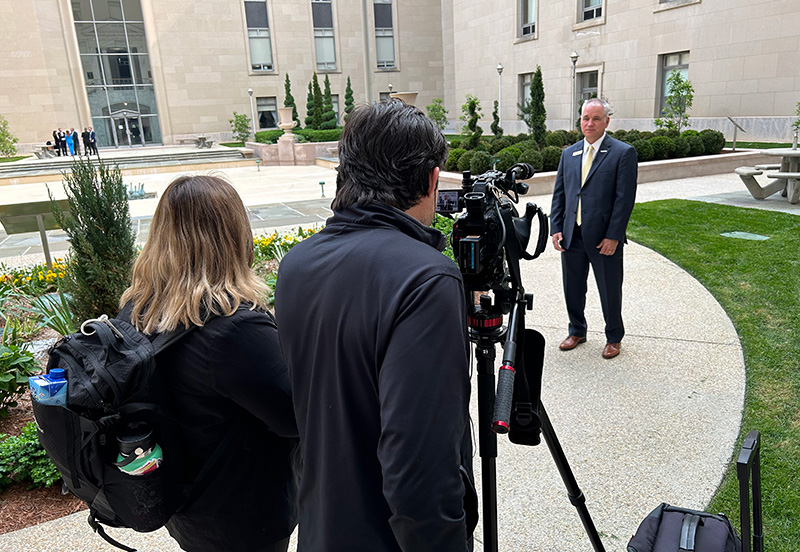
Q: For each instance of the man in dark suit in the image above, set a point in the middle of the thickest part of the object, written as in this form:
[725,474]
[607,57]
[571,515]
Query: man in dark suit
[87,147]
[56,143]
[593,199]
[62,142]
[75,143]
[92,141]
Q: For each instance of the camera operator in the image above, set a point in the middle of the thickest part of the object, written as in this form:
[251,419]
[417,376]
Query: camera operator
[372,324]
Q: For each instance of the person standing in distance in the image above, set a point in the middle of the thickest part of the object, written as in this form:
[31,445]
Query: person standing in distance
[372,323]
[593,198]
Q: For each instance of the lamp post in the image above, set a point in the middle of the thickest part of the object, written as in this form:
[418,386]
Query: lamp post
[252,113]
[500,95]
[574,57]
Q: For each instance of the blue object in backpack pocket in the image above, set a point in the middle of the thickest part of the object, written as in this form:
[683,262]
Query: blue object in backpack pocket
[49,389]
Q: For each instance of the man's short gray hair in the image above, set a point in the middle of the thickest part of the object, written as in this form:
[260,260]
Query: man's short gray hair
[598,101]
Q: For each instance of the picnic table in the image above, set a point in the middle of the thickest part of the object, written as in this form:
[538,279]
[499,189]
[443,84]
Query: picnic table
[785,176]
[21,218]
[203,142]
[44,151]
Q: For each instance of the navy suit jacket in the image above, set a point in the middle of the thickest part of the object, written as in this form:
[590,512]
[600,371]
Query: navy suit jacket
[607,197]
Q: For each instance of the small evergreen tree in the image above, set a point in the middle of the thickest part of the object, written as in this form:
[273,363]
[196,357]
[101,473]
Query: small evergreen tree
[470,114]
[319,104]
[102,241]
[310,106]
[497,130]
[7,140]
[680,95]
[328,114]
[796,123]
[240,125]
[533,111]
[349,102]
[437,113]
[288,99]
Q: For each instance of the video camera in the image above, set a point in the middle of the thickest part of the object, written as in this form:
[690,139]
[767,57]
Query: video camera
[491,231]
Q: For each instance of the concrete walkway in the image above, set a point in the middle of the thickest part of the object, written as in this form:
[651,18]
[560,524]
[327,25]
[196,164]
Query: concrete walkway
[658,423]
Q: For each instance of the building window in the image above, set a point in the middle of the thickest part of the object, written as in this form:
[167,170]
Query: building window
[384,34]
[267,112]
[258,35]
[592,9]
[335,102]
[322,16]
[384,96]
[587,88]
[678,61]
[116,67]
[525,81]
[528,17]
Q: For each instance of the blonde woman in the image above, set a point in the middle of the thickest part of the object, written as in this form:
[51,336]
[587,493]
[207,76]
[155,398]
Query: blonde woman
[227,376]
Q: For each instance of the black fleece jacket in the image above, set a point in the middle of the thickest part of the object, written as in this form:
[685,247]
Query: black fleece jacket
[372,325]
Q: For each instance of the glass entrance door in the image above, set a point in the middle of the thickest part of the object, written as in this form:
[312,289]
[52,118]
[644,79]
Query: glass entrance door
[128,131]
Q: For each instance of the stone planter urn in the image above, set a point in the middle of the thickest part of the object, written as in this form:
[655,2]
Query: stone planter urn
[408,97]
[285,122]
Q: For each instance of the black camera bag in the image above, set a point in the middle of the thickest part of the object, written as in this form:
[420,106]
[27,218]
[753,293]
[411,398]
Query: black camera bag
[112,381]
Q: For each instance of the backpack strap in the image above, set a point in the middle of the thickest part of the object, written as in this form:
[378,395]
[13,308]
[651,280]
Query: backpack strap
[97,528]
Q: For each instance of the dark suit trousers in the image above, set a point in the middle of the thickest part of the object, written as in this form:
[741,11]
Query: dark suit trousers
[575,263]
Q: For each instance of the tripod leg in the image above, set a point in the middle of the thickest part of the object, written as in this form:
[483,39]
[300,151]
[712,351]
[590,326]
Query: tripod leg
[487,439]
[573,491]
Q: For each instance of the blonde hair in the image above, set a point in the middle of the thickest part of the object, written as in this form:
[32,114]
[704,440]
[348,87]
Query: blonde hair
[197,260]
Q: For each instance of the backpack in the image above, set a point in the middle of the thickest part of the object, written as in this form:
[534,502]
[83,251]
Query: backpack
[113,385]
[672,529]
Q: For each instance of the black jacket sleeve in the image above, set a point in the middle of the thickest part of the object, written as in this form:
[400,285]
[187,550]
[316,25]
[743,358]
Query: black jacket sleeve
[424,395]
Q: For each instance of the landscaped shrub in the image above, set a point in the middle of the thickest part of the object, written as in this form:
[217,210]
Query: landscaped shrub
[465,160]
[681,146]
[644,150]
[645,135]
[102,241]
[506,158]
[696,146]
[631,136]
[668,132]
[480,162]
[269,136]
[663,147]
[455,143]
[522,136]
[713,141]
[526,145]
[452,159]
[514,150]
[554,139]
[331,135]
[687,133]
[550,158]
[532,156]
[573,136]
[499,144]
[23,460]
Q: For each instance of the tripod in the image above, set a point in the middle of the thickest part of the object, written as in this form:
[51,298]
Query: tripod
[494,411]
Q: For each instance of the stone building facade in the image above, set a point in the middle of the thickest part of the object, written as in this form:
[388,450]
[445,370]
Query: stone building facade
[147,72]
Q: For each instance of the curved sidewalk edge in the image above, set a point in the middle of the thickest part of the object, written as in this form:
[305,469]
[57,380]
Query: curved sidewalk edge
[656,424]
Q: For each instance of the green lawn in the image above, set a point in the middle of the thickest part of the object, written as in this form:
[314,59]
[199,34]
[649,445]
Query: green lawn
[232,144]
[757,145]
[10,159]
[758,285]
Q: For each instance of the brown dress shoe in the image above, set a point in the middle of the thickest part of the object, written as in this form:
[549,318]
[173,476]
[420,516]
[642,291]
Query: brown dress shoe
[611,350]
[571,342]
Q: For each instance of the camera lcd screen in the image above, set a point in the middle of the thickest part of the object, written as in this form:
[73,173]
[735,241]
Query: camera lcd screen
[447,201]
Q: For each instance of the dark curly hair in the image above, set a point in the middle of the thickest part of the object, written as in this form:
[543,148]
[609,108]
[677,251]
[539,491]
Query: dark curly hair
[386,154]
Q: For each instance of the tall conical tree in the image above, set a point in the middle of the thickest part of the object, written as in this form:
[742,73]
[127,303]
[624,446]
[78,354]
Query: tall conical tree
[288,100]
[310,106]
[538,113]
[349,102]
[318,104]
[328,114]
